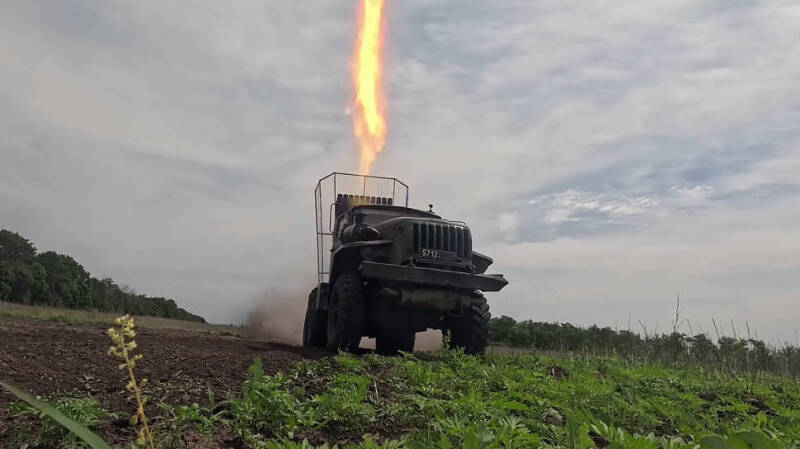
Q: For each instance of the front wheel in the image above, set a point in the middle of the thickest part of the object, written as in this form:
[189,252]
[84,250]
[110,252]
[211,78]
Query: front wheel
[347,313]
[316,324]
[471,330]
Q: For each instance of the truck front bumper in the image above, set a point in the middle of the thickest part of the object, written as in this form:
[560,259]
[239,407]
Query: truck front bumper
[432,277]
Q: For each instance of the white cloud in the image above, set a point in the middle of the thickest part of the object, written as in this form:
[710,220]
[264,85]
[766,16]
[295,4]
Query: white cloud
[565,205]
[697,192]
[174,146]
[723,267]
[508,222]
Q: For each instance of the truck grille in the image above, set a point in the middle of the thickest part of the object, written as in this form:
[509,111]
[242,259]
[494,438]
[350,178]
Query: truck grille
[443,237]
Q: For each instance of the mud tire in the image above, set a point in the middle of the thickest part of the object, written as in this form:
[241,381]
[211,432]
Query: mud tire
[316,323]
[347,313]
[471,330]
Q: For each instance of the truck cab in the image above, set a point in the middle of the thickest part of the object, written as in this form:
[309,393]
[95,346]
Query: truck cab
[394,271]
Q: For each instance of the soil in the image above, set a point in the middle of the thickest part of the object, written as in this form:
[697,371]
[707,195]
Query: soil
[57,360]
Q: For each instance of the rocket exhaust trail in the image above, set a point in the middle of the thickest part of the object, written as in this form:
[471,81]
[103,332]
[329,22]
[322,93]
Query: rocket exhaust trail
[369,120]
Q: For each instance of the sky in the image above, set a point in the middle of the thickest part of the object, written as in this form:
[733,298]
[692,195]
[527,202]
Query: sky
[607,155]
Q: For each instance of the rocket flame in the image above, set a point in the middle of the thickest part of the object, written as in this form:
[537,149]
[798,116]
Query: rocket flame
[369,123]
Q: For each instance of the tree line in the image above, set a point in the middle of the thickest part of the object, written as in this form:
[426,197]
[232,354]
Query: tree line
[58,280]
[669,349]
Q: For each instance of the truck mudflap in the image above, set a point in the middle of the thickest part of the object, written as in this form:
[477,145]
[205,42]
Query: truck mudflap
[432,277]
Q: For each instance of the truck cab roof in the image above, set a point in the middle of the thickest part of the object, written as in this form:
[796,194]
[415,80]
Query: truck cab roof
[375,214]
[387,212]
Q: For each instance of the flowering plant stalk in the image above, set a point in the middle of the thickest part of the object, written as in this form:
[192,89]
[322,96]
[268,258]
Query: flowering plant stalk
[123,347]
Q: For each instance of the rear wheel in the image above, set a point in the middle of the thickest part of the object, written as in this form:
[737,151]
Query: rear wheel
[316,324]
[471,330]
[347,313]
[399,341]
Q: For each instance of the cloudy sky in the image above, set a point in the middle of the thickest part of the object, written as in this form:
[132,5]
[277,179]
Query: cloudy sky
[608,155]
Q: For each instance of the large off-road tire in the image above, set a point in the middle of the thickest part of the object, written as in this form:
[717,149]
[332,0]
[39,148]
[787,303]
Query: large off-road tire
[316,324]
[471,330]
[347,313]
[392,344]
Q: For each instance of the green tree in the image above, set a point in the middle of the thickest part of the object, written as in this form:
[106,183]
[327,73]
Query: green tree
[14,247]
[59,280]
[22,279]
[67,280]
[500,328]
[5,281]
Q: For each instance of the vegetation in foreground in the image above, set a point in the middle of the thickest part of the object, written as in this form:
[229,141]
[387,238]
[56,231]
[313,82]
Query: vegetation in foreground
[58,280]
[449,400]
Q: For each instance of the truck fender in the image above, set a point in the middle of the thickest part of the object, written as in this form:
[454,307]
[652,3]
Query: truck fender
[347,258]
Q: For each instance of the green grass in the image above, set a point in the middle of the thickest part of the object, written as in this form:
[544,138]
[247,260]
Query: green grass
[66,423]
[450,400]
[737,354]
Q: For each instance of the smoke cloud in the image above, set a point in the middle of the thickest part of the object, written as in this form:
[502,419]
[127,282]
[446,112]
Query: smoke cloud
[279,314]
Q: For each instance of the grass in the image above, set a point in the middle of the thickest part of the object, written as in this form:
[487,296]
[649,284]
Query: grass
[72,316]
[67,423]
[738,354]
[449,400]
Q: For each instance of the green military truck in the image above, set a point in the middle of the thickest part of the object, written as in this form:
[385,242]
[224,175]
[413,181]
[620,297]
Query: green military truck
[387,271]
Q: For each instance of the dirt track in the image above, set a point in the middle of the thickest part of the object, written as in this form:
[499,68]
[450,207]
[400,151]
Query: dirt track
[51,359]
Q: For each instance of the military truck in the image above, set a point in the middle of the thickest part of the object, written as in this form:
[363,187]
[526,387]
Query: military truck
[387,271]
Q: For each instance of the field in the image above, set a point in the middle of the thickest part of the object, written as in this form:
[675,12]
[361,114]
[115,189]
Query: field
[75,316]
[208,388]
[65,357]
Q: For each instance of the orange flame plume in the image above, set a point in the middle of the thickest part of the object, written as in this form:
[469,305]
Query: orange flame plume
[369,123]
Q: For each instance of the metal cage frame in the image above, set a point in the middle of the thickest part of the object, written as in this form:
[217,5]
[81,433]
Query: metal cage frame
[323,232]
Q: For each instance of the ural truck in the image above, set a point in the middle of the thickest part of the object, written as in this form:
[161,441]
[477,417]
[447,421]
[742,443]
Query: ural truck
[387,271]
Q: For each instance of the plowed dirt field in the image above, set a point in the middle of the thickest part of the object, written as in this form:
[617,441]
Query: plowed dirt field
[58,360]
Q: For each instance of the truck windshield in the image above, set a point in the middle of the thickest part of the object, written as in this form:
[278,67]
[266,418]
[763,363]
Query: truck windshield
[375,215]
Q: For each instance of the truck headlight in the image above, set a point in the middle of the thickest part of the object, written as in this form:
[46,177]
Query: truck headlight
[367,232]
[375,253]
[359,232]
